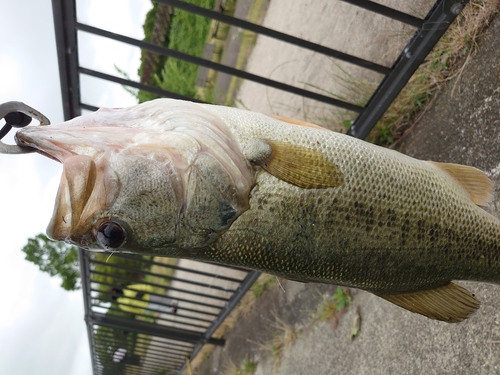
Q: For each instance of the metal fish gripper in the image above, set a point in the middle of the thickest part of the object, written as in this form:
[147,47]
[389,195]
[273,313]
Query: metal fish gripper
[17,115]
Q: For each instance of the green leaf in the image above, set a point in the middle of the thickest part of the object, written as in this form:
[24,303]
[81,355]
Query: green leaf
[56,259]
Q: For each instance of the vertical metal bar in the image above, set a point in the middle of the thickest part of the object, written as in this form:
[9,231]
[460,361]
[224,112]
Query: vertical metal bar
[64,13]
[435,25]
[83,258]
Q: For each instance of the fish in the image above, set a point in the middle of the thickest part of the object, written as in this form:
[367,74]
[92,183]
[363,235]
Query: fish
[234,187]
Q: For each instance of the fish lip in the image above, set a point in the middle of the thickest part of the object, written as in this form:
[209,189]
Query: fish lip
[52,149]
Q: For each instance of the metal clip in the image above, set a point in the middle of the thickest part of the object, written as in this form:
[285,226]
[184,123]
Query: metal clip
[17,115]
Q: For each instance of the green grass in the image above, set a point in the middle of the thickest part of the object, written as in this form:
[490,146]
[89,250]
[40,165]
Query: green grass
[331,306]
[188,34]
[247,367]
[261,285]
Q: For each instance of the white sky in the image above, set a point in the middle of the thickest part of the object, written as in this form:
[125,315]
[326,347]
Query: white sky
[42,330]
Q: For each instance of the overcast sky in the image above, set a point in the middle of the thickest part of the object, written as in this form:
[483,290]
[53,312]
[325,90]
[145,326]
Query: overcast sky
[42,330]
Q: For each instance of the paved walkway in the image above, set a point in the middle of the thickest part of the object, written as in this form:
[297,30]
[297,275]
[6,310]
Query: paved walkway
[332,23]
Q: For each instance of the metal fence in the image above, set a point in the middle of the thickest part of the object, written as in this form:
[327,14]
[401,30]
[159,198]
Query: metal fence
[159,342]
[129,334]
[429,31]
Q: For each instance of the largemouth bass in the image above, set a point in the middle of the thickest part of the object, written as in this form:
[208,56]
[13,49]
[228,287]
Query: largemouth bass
[285,197]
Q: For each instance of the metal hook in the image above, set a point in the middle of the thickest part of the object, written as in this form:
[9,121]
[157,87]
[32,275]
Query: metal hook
[18,107]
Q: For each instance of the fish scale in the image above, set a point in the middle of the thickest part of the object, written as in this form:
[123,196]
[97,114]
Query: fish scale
[342,238]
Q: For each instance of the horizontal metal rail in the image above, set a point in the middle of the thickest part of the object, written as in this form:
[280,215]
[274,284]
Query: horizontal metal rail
[153,359]
[89,107]
[153,348]
[170,357]
[166,288]
[179,346]
[177,268]
[179,298]
[177,315]
[171,278]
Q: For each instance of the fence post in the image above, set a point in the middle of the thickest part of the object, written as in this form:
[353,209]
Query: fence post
[435,25]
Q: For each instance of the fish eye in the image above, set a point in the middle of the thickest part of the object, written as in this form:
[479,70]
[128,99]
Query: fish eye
[111,235]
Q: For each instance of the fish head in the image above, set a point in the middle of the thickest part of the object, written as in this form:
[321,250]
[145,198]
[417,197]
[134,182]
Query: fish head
[162,177]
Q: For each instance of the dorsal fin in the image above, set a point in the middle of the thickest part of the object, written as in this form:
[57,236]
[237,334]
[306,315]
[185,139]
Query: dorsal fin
[297,122]
[474,181]
[297,165]
[449,303]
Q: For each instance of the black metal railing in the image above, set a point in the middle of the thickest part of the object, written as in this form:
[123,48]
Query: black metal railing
[430,29]
[189,305]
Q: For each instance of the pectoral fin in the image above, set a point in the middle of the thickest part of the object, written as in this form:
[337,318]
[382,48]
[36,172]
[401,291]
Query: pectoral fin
[474,181]
[297,165]
[450,303]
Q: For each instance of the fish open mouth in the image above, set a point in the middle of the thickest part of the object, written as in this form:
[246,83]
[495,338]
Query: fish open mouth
[77,183]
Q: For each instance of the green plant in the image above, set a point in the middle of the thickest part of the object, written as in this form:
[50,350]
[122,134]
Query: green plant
[55,258]
[262,283]
[331,306]
[342,297]
[247,367]
[444,62]
[186,33]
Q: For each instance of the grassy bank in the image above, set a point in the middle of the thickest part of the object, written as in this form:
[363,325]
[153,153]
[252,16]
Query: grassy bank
[187,33]
[446,61]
